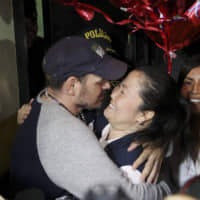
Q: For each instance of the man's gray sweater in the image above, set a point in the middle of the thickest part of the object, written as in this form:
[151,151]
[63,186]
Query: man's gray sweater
[73,159]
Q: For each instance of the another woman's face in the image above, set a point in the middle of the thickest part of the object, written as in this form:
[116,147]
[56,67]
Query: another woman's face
[191,88]
[123,109]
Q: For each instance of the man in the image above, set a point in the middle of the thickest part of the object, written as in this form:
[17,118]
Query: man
[54,150]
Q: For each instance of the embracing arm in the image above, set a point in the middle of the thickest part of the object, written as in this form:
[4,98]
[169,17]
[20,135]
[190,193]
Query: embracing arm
[153,158]
[23,112]
[74,160]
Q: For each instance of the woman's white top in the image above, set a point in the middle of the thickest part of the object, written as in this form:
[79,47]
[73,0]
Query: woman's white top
[133,175]
[188,169]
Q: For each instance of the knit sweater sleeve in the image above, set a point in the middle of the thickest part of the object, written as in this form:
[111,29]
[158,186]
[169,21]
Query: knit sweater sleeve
[74,160]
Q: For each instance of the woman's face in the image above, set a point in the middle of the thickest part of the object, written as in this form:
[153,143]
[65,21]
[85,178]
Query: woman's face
[123,110]
[191,88]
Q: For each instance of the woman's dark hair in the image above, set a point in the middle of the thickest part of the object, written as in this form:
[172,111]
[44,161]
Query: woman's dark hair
[161,95]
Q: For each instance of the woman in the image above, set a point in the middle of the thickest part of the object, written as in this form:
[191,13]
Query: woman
[189,83]
[145,107]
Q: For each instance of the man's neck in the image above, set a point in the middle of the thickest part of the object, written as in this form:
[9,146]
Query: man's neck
[62,99]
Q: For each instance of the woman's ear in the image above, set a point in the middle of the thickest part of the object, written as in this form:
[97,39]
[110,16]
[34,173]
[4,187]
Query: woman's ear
[70,85]
[145,116]
[149,114]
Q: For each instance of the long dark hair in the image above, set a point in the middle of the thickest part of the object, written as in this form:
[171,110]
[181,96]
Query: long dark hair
[190,141]
[161,95]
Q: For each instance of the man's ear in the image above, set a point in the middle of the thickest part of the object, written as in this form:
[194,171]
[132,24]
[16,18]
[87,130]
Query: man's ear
[145,116]
[70,85]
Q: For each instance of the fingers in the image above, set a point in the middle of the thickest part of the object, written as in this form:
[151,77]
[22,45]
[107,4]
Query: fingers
[23,112]
[133,146]
[154,172]
[152,167]
[156,178]
[153,159]
[158,170]
[148,170]
[141,159]
[31,101]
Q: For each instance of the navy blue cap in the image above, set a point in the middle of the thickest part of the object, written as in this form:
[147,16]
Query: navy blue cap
[76,56]
[99,35]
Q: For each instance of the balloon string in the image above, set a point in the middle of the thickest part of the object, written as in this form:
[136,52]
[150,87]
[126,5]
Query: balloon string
[165,34]
[168,50]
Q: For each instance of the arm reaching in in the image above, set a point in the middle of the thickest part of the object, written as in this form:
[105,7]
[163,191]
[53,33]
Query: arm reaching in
[153,158]
[23,112]
[87,164]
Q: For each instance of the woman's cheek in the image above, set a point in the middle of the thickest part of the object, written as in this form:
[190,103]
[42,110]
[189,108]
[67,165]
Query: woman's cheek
[185,92]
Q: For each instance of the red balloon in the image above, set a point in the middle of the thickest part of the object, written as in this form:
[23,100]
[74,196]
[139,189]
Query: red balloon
[181,31]
[86,13]
[194,13]
[171,24]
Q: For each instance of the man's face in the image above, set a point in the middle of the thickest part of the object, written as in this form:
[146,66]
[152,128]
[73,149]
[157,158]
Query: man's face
[191,88]
[92,92]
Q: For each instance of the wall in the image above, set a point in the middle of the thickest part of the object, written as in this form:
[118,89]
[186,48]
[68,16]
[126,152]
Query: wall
[9,92]
[40,18]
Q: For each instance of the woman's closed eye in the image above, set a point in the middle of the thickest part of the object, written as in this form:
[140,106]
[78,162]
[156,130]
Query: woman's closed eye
[187,83]
[121,89]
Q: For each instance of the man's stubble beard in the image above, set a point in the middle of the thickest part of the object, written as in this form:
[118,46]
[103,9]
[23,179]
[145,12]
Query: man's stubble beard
[84,105]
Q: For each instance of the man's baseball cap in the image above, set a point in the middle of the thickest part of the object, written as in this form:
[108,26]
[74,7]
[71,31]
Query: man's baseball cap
[99,35]
[76,56]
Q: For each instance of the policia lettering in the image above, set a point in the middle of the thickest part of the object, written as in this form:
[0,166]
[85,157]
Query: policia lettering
[97,33]
[100,33]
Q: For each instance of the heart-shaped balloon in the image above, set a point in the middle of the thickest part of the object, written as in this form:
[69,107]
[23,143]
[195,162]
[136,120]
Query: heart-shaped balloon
[86,13]
[181,31]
